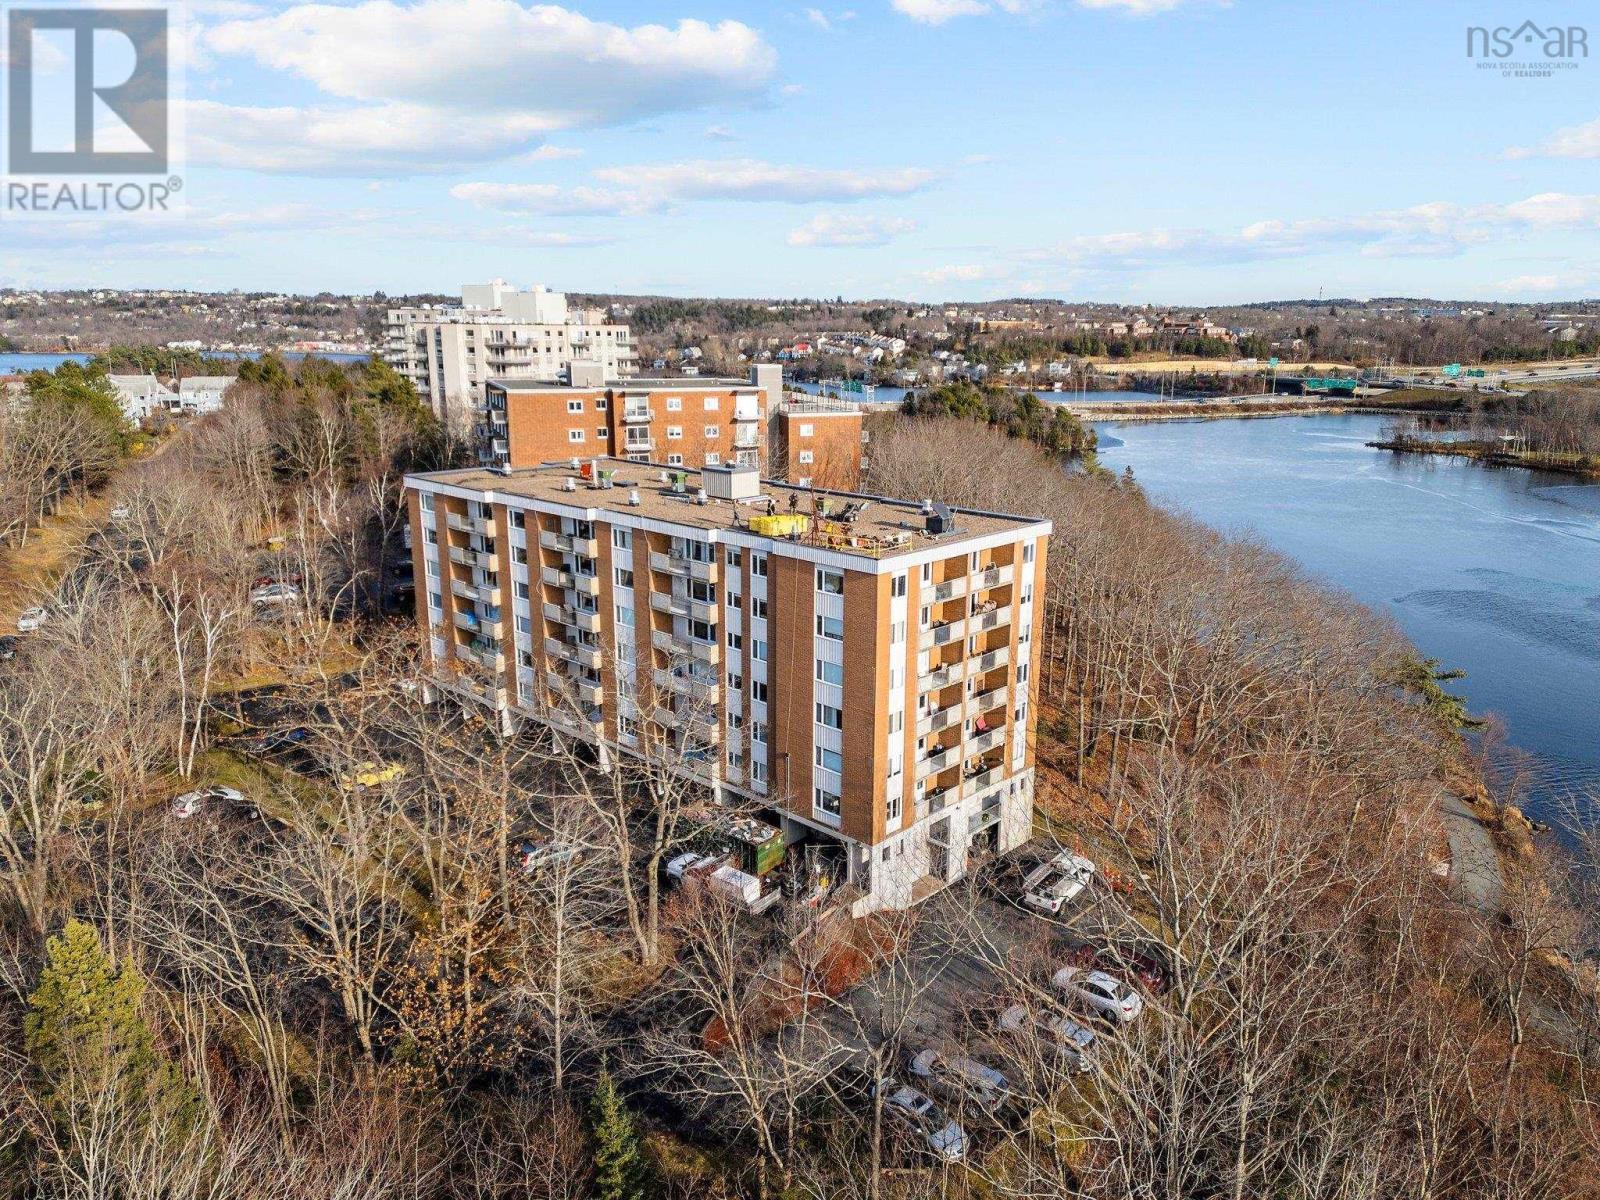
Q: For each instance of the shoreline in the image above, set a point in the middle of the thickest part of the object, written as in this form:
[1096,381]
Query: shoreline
[1214,412]
[1491,456]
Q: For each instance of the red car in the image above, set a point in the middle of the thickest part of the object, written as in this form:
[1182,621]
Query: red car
[1150,973]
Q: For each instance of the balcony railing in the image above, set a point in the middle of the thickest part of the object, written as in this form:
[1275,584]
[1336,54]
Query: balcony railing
[986,741]
[949,589]
[682,606]
[683,566]
[991,577]
[984,701]
[991,660]
[746,438]
[993,619]
[977,782]
[942,635]
[939,719]
[483,526]
[485,593]
[588,547]
[633,414]
[707,690]
[940,760]
[584,656]
[942,678]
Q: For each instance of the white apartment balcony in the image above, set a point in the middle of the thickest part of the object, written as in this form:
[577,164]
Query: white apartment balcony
[949,590]
[639,445]
[465,618]
[461,556]
[942,678]
[986,741]
[985,701]
[634,414]
[682,606]
[976,783]
[941,760]
[993,619]
[482,593]
[693,722]
[746,438]
[684,567]
[588,547]
[992,577]
[991,660]
[942,635]
[708,691]
[588,693]
[939,719]
[484,526]
[706,652]
[669,642]
[584,656]
[746,414]
[479,654]
[939,800]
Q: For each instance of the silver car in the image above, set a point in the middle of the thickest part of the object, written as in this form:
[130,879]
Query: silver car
[1053,885]
[964,1079]
[1071,1040]
[913,1111]
[1105,994]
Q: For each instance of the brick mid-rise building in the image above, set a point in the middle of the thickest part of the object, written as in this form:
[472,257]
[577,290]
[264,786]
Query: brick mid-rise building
[859,667]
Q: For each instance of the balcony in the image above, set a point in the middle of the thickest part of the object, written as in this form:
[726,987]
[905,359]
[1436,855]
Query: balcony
[941,719]
[480,654]
[682,606]
[984,701]
[937,801]
[942,635]
[979,780]
[556,577]
[588,547]
[483,526]
[484,593]
[993,577]
[635,414]
[708,691]
[949,590]
[584,656]
[588,693]
[669,642]
[639,445]
[746,437]
[986,741]
[467,619]
[692,722]
[942,678]
[461,556]
[993,619]
[683,566]
[991,660]
[939,760]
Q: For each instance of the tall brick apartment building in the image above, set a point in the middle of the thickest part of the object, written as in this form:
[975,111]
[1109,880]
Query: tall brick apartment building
[861,668]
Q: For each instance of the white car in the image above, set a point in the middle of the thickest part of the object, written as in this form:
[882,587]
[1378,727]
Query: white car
[683,864]
[915,1112]
[276,594]
[1105,994]
[31,619]
[1052,885]
[190,803]
[1071,1040]
[535,856]
[967,1079]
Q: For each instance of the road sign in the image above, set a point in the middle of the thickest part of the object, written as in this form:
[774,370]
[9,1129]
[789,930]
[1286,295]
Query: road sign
[1451,370]
[1272,362]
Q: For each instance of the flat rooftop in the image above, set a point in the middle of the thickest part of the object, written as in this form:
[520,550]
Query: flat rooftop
[879,527]
[687,382]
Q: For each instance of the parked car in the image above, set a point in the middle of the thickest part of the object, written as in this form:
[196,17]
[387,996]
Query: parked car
[1071,1040]
[31,619]
[279,739]
[681,865]
[190,803]
[920,1116]
[275,595]
[965,1080]
[1054,884]
[1105,994]
[8,647]
[371,774]
[535,856]
[1147,970]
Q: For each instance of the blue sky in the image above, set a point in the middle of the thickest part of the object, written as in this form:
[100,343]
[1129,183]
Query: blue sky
[1171,151]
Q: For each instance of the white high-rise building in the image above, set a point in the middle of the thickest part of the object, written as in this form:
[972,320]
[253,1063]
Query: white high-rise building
[498,332]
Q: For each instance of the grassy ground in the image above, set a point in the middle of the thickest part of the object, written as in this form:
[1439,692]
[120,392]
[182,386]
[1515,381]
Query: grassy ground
[26,573]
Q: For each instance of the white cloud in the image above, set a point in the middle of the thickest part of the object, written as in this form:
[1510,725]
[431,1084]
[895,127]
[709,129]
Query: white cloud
[1576,141]
[964,273]
[720,133]
[549,153]
[937,12]
[1137,8]
[467,80]
[548,199]
[820,19]
[849,229]
[751,179]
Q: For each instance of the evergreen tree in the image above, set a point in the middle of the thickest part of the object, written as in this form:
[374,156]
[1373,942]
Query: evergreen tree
[618,1172]
[89,1040]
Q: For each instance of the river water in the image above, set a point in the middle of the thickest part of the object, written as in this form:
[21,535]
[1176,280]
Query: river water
[1491,570]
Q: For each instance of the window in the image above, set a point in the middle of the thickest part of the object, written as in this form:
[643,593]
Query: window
[758,732]
[674,460]
[831,582]
[805,458]
[621,538]
[893,818]
[735,556]
[758,564]
[433,568]
[758,651]
[1027,552]
[712,403]
[735,640]
[734,600]
[924,616]
[525,657]
[927,572]
[519,519]
[831,628]
[897,723]
[897,585]
[674,433]
[713,458]
[431,536]
[522,591]
[805,431]
[758,691]
[574,435]
[830,672]
[435,600]
[758,608]
[702,631]
[600,434]
[674,403]
[519,555]
[427,501]
[702,592]
[826,801]
[897,633]
[600,404]
[829,717]
[758,772]
[735,682]
[713,432]
[897,678]
[622,576]
[831,760]
[524,625]
[574,406]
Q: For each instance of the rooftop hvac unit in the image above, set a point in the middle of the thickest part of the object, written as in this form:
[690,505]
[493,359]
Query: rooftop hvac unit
[700,496]
[576,462]
[680,480]
[735,481]
[941,520]
[633,497]
[569,484]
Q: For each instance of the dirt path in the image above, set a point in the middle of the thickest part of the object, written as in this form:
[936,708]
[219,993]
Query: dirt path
[1474,861]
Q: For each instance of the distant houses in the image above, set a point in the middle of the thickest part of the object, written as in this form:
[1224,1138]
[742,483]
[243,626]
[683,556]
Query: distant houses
[142,396]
